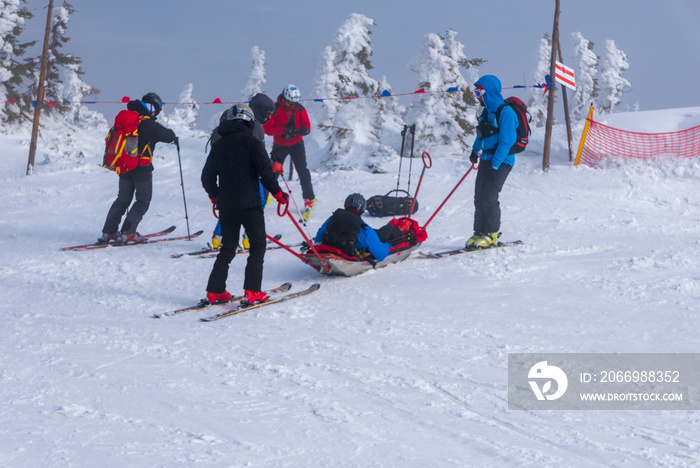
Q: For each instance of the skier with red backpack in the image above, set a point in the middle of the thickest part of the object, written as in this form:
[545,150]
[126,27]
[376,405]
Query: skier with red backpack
[136,178]
[496,136]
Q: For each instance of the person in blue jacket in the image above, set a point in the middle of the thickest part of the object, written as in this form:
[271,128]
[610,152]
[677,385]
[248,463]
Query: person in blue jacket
[496,134]
[346,231]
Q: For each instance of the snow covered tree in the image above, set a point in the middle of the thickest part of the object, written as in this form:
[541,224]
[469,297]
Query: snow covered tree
[65,89]
[354,124]
[537,102]
[257,77]
[14,72]
[326,87]
[183,117]
[443,118]
[586,83]
[612,84]
[391,121]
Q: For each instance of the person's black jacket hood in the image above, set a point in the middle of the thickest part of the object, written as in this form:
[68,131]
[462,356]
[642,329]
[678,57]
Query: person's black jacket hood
[262,107]
[235,164]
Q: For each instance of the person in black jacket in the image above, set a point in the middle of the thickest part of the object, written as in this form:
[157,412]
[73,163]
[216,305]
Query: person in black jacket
[140,179]
[262,107]
[236,165]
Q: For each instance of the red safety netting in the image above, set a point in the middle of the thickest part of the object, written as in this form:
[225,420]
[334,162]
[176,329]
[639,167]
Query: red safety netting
[602,141]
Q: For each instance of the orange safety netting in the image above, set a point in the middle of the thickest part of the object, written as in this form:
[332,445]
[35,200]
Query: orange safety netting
[601,141]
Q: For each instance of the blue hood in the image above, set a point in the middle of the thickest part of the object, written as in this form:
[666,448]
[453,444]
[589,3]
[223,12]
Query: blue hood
[492,86]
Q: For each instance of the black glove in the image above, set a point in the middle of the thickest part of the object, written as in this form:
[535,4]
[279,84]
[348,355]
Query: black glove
[304,247]
[291,133]
[303,131]
[474,157]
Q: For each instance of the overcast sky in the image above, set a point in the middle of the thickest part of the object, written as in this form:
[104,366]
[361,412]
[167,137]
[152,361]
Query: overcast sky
[131,47]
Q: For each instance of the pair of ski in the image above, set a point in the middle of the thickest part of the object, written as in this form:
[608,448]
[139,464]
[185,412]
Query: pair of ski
[214,253]
[149,239]
[210,252]
[449,253]
[244,306]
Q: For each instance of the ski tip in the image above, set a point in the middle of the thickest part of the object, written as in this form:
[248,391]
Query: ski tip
[315,287]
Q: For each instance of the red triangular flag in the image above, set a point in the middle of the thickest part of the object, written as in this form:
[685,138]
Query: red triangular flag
[422,90]
[125,99]
[216,101]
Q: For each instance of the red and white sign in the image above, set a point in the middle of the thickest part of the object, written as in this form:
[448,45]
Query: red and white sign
[565,76]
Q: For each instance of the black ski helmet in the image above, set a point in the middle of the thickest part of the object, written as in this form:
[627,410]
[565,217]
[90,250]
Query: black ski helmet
[356,202]
[155,101]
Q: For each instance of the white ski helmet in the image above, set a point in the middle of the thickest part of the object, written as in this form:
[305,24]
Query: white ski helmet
[240,112]
[291,93]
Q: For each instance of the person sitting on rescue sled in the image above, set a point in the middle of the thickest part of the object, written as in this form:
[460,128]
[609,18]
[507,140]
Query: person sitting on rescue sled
[346,232]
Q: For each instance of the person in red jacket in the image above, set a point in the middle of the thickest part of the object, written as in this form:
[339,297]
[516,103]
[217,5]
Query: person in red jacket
[288,125]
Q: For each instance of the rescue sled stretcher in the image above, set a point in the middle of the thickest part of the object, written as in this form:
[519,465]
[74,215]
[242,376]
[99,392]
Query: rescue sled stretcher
[340,264]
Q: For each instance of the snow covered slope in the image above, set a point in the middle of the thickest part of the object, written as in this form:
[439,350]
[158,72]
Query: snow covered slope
[403,366]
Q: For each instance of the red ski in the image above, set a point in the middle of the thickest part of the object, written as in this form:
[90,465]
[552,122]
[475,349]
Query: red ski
[148,237]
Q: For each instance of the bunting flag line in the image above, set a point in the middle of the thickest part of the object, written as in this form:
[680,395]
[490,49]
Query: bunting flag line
[386,93]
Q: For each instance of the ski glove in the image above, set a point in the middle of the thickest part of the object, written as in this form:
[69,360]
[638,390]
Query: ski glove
[474,157]
[278,168]
[291,133]
[281,197]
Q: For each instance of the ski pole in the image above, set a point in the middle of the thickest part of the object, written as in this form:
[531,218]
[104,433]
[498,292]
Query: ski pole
[301,217]
[182,183]
[285,211]
[448,196]
[410,162]
[427,165]
[403,140]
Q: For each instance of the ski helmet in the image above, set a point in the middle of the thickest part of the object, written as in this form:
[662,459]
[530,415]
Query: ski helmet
[356,202]
[292,93]
[240,112]
[154,100]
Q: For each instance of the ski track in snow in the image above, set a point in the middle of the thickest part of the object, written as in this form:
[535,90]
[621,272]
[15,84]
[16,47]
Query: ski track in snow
[402,366]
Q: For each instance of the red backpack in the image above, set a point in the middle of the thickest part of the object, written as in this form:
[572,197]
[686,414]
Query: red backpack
[122,143]
[524,118]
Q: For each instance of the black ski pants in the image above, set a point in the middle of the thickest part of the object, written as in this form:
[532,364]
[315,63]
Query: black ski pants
[487,209]
[139,181]
[298,155]
[253,221]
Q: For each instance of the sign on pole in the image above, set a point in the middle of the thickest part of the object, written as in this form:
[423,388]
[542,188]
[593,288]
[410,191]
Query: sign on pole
[565,76]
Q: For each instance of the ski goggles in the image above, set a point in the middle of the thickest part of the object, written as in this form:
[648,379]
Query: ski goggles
[479,92]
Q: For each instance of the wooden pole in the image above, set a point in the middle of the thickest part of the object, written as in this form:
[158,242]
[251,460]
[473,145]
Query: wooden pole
[40,91]
[569,135]
[550,102]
